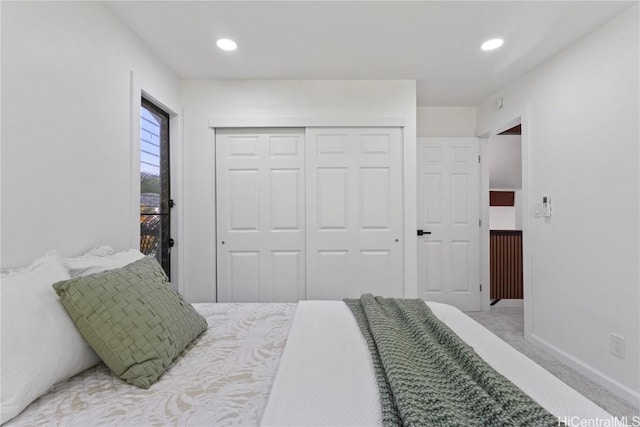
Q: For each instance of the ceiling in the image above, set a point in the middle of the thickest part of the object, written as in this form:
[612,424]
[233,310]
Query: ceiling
[436,43]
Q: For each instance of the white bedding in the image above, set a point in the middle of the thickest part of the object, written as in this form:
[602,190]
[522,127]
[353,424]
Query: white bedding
[223,378]
[241,371]
[323,378]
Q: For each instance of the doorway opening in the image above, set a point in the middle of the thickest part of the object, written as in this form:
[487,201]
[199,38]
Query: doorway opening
[505,216]
[515,122]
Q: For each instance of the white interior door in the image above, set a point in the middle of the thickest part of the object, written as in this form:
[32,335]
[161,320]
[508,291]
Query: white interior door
[260,215]
[449,215]
[354,212]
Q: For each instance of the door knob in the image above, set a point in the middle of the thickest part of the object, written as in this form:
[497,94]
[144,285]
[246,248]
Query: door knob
[422,232]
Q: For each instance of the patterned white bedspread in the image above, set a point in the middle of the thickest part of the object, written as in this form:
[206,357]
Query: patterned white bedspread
[223,378]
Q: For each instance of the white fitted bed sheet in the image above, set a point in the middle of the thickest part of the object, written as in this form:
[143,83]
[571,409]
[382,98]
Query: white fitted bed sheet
[324,379]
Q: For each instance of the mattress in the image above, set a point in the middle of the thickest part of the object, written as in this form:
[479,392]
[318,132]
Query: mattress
[223,378]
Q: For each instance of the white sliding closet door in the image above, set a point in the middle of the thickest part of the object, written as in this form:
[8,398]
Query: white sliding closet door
[354,212]
[260,215]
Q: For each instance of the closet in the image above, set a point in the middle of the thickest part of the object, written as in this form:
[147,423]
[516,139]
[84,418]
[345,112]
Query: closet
[308,213]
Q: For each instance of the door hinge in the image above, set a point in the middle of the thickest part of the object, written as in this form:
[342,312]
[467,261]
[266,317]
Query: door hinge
[479,222]
[478,159]
[480,287]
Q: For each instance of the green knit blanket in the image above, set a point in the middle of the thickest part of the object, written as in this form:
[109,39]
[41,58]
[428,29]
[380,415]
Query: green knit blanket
[428,376]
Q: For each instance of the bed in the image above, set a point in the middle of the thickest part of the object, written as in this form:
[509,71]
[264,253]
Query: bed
[278,364]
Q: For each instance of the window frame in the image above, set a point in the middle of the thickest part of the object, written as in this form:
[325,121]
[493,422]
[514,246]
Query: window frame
[165,203]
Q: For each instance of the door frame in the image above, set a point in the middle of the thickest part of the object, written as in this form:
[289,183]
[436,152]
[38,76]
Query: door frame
[511,118]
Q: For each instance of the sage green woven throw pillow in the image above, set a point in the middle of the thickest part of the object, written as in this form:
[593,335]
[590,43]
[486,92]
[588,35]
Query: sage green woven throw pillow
[133,318]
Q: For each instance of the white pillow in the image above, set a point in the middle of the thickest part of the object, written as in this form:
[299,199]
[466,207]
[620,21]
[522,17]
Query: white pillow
[100,259]
[40,344]
[99,251]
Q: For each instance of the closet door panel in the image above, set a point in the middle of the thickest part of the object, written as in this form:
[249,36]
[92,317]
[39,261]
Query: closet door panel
[333,275]
[244,275]
[288,275]
[333,197]
[354,212]
[245,212]
[285,189]
[375,204]
[260,215]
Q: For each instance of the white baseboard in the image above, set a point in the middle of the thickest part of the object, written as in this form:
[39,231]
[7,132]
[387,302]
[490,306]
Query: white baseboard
[621,390]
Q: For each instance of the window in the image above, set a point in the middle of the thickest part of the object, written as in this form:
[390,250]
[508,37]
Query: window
[155,201]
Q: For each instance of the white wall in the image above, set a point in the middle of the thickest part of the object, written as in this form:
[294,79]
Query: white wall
[505,174]
[502,217]
[519,209]
[446,121]
[264,102]
[507,217]
[583,132]
[67,129]
[505,162]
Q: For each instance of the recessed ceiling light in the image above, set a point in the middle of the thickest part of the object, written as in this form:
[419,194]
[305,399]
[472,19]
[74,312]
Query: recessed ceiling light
[226,44]
[492,44]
